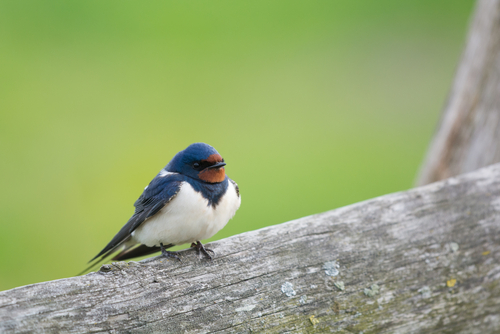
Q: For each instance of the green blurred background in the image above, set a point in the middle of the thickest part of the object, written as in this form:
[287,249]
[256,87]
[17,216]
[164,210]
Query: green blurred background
[313,104]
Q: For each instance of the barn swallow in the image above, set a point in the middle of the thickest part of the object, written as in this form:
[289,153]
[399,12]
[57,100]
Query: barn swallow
[191,199]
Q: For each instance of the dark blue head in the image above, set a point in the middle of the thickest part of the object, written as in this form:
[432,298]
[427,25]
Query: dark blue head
[199,161]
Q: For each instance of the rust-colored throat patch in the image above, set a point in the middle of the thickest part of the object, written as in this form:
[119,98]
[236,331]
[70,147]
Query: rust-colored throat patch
[213,175]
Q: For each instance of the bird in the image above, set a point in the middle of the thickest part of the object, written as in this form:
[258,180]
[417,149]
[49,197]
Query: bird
[189,200]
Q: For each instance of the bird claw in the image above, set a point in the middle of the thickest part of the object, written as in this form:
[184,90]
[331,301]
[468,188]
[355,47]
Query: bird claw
[200,248]
[167,253]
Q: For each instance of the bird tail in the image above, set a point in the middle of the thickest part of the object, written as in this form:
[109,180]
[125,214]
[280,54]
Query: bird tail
[128,252]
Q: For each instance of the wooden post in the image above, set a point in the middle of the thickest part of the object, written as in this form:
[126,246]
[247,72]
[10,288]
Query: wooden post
[468,136]
[425,260]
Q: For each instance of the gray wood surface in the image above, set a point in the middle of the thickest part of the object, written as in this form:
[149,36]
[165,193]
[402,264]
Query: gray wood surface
[420,261]
[468,136]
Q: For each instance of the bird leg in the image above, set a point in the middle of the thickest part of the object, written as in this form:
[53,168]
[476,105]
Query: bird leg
[167,253]
[199,248]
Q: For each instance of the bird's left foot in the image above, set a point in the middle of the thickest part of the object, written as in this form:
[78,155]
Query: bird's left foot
[200,248]
[166,253]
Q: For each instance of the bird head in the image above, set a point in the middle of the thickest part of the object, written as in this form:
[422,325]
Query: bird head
[199,161]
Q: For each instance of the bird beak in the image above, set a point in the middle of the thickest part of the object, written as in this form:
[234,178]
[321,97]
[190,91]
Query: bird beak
[217,165]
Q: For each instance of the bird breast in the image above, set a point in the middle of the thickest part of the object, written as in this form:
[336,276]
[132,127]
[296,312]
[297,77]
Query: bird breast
[188,218]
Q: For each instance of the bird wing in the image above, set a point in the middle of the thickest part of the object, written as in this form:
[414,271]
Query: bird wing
[160,191]
[140,250]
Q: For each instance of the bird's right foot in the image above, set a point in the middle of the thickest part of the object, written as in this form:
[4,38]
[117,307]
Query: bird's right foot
[167,253]
[201,249]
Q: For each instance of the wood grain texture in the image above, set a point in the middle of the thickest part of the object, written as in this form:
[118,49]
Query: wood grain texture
[468,136]
[420,261]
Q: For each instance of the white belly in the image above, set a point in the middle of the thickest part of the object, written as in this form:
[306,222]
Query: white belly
[188,218]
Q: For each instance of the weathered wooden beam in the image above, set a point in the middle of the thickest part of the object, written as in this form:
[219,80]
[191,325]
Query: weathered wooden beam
[468,136]
[420,261]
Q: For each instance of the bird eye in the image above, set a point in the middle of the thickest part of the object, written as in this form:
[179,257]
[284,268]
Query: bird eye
[196,165]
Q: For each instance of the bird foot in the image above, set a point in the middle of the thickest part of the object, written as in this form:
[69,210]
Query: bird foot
[167,253]
[200,248]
